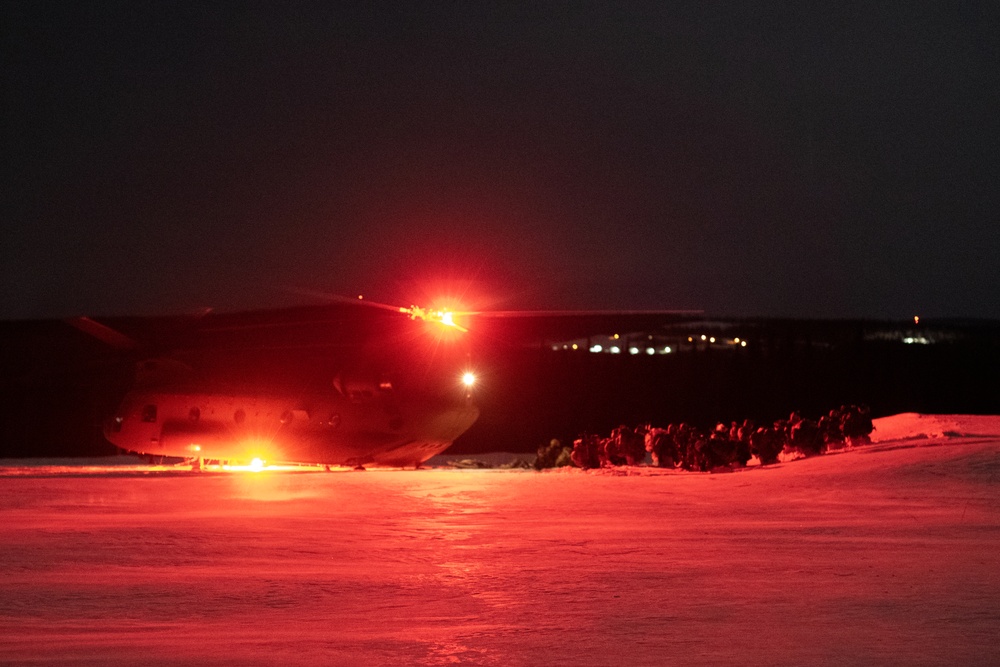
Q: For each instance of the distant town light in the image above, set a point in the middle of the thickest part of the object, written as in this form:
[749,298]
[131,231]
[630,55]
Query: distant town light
[616,336]
[704,337]
[650,350]
[916,319]
[615,349]
[712,339]
[736,340]
[596,348]
[667,350]
[743,343]
[633,350]
[575,346]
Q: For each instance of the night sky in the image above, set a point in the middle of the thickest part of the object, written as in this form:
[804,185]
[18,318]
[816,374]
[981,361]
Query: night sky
[774,159]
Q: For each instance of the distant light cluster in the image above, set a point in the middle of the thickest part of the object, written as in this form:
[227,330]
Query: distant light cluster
[916,340]
[648,344]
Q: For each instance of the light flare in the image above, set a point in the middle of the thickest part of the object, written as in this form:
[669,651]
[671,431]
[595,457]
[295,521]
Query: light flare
[444,317]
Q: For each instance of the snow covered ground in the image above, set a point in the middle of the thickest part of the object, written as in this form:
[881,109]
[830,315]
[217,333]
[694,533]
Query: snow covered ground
[887,554]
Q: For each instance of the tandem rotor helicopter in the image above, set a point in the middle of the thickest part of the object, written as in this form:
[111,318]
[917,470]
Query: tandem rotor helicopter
[350,383]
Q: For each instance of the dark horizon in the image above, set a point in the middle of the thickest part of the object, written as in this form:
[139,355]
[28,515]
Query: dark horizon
[767,160]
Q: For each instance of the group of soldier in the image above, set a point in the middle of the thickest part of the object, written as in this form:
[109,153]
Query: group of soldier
[684,446]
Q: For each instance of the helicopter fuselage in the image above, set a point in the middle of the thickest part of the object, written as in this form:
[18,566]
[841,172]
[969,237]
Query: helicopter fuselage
[301,387]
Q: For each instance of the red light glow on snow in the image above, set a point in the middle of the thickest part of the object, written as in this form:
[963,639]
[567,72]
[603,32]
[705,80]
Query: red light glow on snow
[879,555]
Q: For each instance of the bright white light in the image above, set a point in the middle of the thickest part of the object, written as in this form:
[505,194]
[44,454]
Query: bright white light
[469,379]
[736,340]
[703,337]
[918,340]
[615,349]
[596,348]
[256,465]
[667,350]
[633,350]
[743,343]
[650,350]
[712,339]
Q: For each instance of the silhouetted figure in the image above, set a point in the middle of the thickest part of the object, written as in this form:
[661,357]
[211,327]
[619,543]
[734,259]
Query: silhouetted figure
[805,438]
[858,425]
[552,455]
[721,450]
[585,452]
[766,444]
[660,445]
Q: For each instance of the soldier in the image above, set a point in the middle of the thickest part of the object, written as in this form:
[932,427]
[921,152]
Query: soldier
[700,457]
[742,446]
[830,426]
[585,452]
[631,445]
[687,440]
[547,453]
[607,452]
[721,450]
[805,438]
[658,443]
[866,426]
[857,425]
[766,445]
[564,458]
[616,446]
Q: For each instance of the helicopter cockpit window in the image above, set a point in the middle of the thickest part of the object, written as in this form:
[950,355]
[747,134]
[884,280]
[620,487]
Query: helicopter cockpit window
[149,413]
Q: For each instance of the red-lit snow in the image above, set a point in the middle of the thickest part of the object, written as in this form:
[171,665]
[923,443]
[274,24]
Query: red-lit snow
[887,554]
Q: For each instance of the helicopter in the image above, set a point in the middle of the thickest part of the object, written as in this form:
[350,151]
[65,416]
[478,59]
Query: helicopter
[331,385]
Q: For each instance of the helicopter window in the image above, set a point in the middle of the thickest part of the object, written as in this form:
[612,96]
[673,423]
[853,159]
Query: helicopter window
[149,413]
[194,414]
[239,416]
